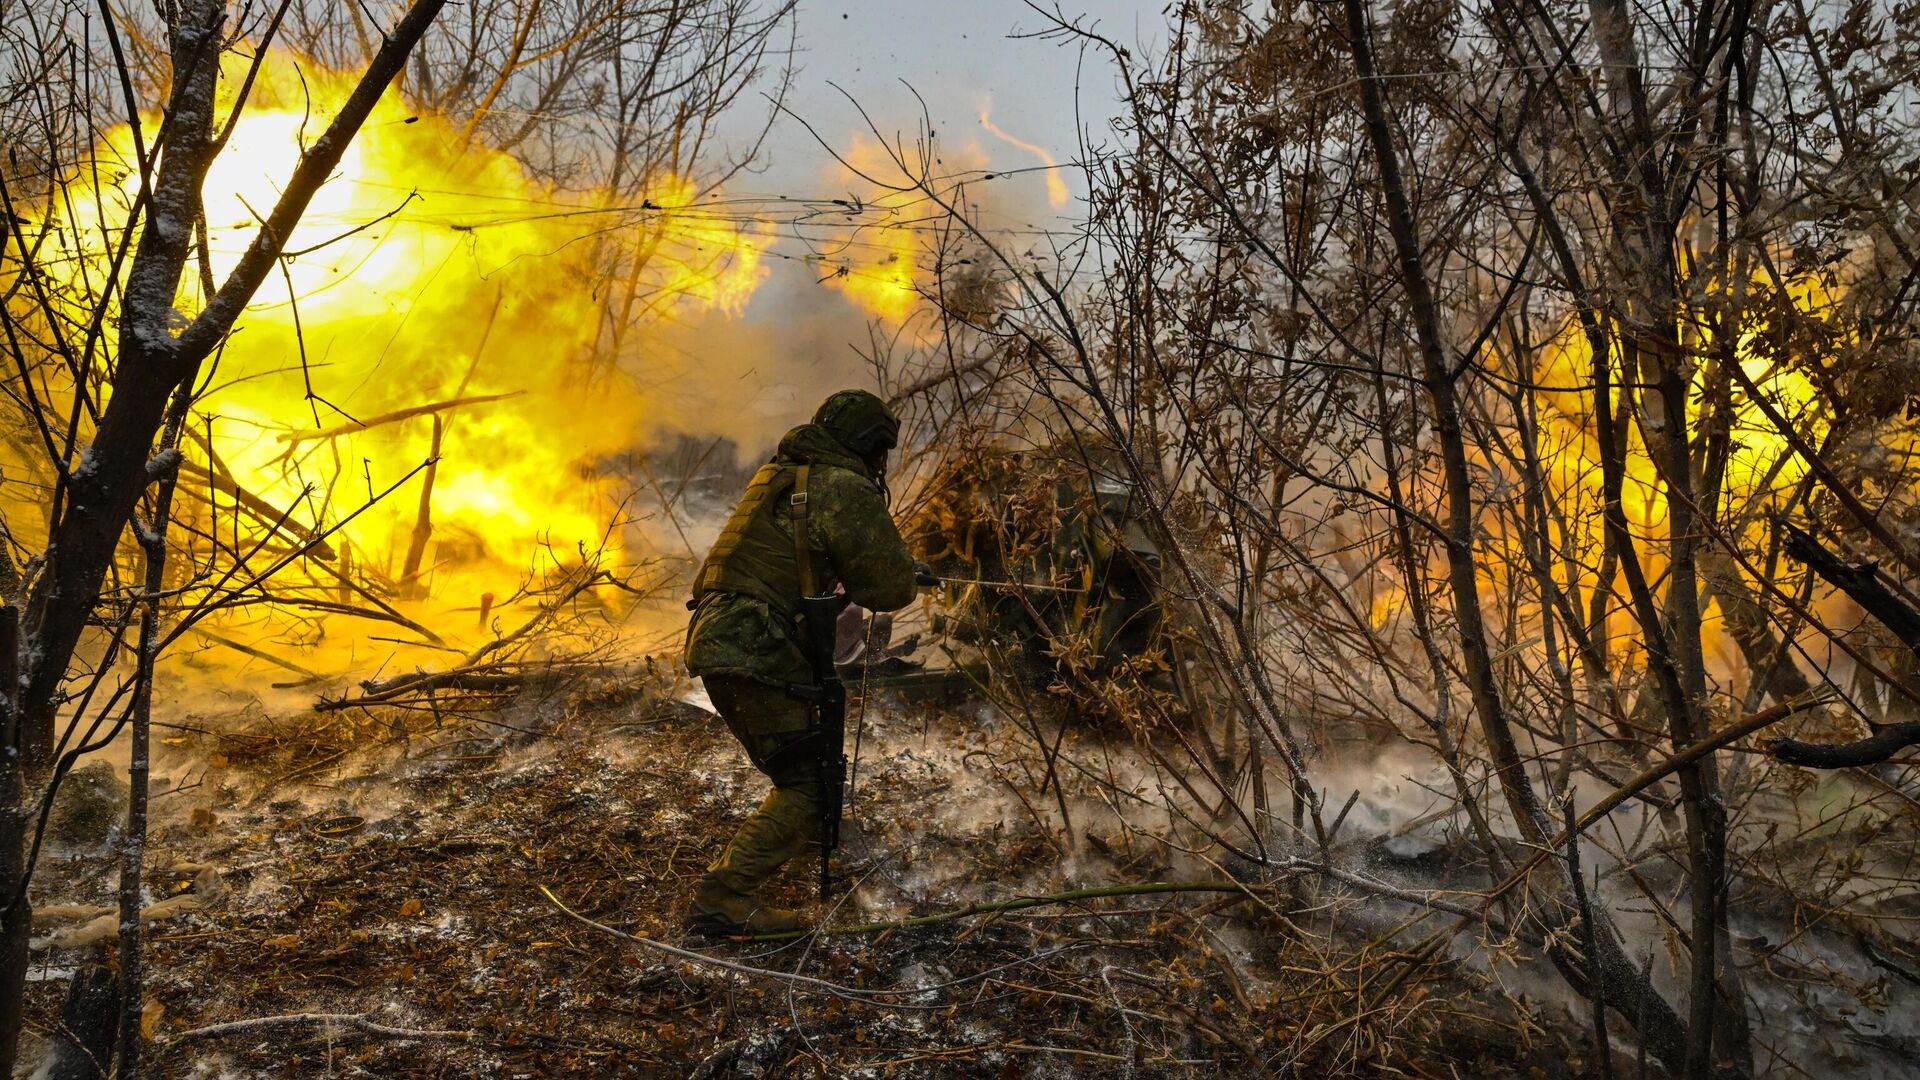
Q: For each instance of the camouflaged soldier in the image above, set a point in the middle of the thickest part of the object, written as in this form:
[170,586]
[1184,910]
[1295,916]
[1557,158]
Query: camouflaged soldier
[743,640]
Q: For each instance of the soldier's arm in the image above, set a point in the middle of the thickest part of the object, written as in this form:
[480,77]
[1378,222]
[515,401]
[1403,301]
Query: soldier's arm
[852,525]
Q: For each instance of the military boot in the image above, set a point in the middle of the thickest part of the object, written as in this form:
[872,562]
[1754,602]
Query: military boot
[717,912]
[727,901]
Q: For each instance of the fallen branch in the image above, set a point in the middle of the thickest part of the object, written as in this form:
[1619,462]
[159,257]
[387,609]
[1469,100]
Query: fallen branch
[495,677]
[103,923]
[107,926]
[381,691]
[875,998]
[45,915]
[1072,896]
[361,1022]
[1879,957]
[475,670]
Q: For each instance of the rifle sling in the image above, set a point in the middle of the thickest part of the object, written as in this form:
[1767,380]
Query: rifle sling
[802,552]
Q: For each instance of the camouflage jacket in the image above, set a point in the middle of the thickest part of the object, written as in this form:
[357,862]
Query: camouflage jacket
[746,612]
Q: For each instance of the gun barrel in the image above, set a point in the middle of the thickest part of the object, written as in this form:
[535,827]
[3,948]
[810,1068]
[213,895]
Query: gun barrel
[1017,586]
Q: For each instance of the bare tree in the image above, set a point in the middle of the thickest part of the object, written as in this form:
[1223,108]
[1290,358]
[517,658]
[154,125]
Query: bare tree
[105,458]
[106,378]
[1470,359]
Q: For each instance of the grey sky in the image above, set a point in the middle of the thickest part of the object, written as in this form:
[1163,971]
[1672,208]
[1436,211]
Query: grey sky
[961,58]
[798,336]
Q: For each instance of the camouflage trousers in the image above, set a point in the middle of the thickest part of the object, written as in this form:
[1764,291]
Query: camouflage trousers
[772,728]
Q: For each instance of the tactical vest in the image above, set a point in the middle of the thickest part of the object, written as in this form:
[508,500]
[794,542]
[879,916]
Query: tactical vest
[755,554]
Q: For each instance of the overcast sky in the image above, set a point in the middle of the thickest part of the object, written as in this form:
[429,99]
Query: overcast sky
[799,337]
[962,58]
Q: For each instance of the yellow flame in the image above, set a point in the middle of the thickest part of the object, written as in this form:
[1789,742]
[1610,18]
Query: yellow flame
[1761,467]
[1057,194]
[878,266]
[435,270]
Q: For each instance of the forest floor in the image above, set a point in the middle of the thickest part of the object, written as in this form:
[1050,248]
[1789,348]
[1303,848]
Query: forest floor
[354,865]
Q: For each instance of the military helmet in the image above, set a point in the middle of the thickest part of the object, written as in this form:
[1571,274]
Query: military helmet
[860,422]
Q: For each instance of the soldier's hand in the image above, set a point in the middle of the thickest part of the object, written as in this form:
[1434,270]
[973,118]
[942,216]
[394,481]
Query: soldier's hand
[924,575]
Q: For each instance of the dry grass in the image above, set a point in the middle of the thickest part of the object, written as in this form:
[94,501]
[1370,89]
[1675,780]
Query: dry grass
[366,874]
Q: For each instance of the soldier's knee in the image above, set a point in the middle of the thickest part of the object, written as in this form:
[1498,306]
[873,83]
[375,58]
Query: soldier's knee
[753,710]
[809,792]
[796,806]
[789,759]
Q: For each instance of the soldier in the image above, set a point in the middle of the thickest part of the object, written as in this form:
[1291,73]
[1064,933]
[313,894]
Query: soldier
[743,639]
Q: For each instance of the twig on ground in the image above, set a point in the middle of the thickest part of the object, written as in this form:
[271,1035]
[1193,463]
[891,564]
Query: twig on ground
[1072,896]
[875,998]
[361,1022]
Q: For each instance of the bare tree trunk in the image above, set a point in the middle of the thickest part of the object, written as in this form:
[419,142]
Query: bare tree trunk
[153,540]
[112,472]
[1650,339]
[1615,979]
[16,919]
[1482,681]
[151,367]
[423,522]
[83,1045]
[152,362]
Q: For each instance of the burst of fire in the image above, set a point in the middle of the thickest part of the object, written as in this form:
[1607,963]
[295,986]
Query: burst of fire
[878,266]
[445,303]
[1759,458]
[1057,194]
[885,259]
[1761,467]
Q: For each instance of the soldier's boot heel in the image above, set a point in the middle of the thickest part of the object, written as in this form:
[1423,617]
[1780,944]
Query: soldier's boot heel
[727,901]
[719,912]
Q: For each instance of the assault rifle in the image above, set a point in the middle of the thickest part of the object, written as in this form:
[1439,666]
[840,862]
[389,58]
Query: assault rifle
[828,697]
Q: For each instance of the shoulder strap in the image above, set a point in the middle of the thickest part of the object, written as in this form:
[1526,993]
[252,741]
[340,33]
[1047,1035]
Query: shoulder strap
[802,551]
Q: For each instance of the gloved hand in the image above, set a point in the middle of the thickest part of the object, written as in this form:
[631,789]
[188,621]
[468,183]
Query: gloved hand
[924,575]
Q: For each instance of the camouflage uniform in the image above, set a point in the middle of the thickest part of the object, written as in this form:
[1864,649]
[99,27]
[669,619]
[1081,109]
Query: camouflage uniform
[743,639]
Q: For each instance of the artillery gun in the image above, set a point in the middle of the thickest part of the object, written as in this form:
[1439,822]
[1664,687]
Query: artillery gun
[1049,569]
